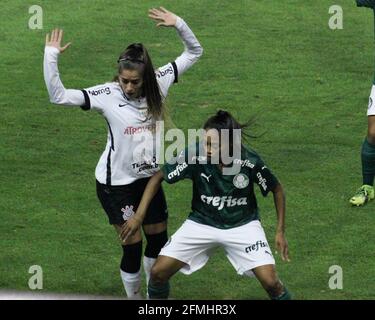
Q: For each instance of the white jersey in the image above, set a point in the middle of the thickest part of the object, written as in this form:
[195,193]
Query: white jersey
[126,157]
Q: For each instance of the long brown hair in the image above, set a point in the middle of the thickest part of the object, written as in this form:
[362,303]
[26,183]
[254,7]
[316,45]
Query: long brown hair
[136,57]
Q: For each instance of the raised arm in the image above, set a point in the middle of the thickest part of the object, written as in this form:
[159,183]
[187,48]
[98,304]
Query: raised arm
[193,49]
[56,90]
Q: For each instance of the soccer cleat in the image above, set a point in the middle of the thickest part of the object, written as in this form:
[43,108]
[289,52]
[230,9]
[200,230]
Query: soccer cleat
[364,194]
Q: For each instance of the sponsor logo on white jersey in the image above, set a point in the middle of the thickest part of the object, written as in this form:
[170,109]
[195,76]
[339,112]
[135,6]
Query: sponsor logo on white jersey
[162,73]
[105,90]
[176,172]
[137,130]
[220,202]
[262,181]
[128,212]
[145,165]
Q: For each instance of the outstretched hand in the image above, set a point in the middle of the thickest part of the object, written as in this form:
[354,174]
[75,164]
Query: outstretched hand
[56,39]
[163,17]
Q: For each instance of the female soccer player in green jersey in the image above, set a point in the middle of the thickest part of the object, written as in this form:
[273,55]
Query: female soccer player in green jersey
[224,211]
[366,192]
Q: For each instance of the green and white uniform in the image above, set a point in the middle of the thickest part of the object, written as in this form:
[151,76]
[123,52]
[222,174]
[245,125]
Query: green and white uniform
[371,106]
[224,212]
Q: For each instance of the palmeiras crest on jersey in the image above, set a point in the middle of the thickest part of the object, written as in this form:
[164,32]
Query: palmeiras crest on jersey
[128,212]
[240,181]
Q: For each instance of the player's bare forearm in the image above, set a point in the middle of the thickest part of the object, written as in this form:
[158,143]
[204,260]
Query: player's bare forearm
[151,189]
[280,240]
[279,200]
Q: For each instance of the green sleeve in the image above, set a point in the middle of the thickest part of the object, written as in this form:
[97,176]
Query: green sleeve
[178,170]
[265,179]
[366,3]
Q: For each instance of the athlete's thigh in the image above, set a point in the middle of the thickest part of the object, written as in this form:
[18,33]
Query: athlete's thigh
[157,212]
[247,247]
[167,266]
[266,274]
[155,228]
[371,129]
[118,202]
[192,243]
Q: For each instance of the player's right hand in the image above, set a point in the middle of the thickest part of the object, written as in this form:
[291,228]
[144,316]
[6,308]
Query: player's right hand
[129,228]
[56,39]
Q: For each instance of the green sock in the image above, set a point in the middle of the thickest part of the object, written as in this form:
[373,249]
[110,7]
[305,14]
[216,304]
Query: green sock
[158,291]
[368,162]
[284,296]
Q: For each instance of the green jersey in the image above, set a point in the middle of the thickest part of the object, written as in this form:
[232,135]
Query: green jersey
[223,201]
[366,3]
[369,4]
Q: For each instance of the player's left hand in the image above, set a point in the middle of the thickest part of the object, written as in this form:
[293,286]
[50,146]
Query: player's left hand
[163,17]
[129,228]
[282,245]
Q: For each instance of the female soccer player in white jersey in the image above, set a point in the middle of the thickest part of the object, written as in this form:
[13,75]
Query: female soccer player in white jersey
[131,105]
[224,212]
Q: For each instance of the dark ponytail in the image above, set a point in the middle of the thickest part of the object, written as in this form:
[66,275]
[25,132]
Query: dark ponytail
[136,57]
[224,120]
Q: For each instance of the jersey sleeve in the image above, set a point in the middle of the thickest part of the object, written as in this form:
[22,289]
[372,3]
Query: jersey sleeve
[179,170]
[166,76]
[169,74]
[56,90]
[92,98]
[97,97]
[265,179]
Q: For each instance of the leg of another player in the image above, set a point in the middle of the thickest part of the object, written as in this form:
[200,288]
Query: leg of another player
[156,236]
[368,154]
[163,269]
[130,267]
[371,130]
[366,192]
[268,278]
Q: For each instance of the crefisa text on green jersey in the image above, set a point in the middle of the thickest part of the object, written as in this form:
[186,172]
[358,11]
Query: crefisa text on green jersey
[178,140]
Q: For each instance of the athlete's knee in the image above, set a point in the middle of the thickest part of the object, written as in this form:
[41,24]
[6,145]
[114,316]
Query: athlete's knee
[155,242]
[371,130]
[159,274]
[371,135]
[131,258]
[273,286]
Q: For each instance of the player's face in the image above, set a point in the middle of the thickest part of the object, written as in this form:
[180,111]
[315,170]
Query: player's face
[212,143]
[131,82]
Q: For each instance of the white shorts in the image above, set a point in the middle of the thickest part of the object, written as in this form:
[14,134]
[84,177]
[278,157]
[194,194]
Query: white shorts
[371,103]
[246,246]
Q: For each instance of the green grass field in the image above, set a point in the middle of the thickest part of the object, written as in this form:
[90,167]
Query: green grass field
[307,84]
